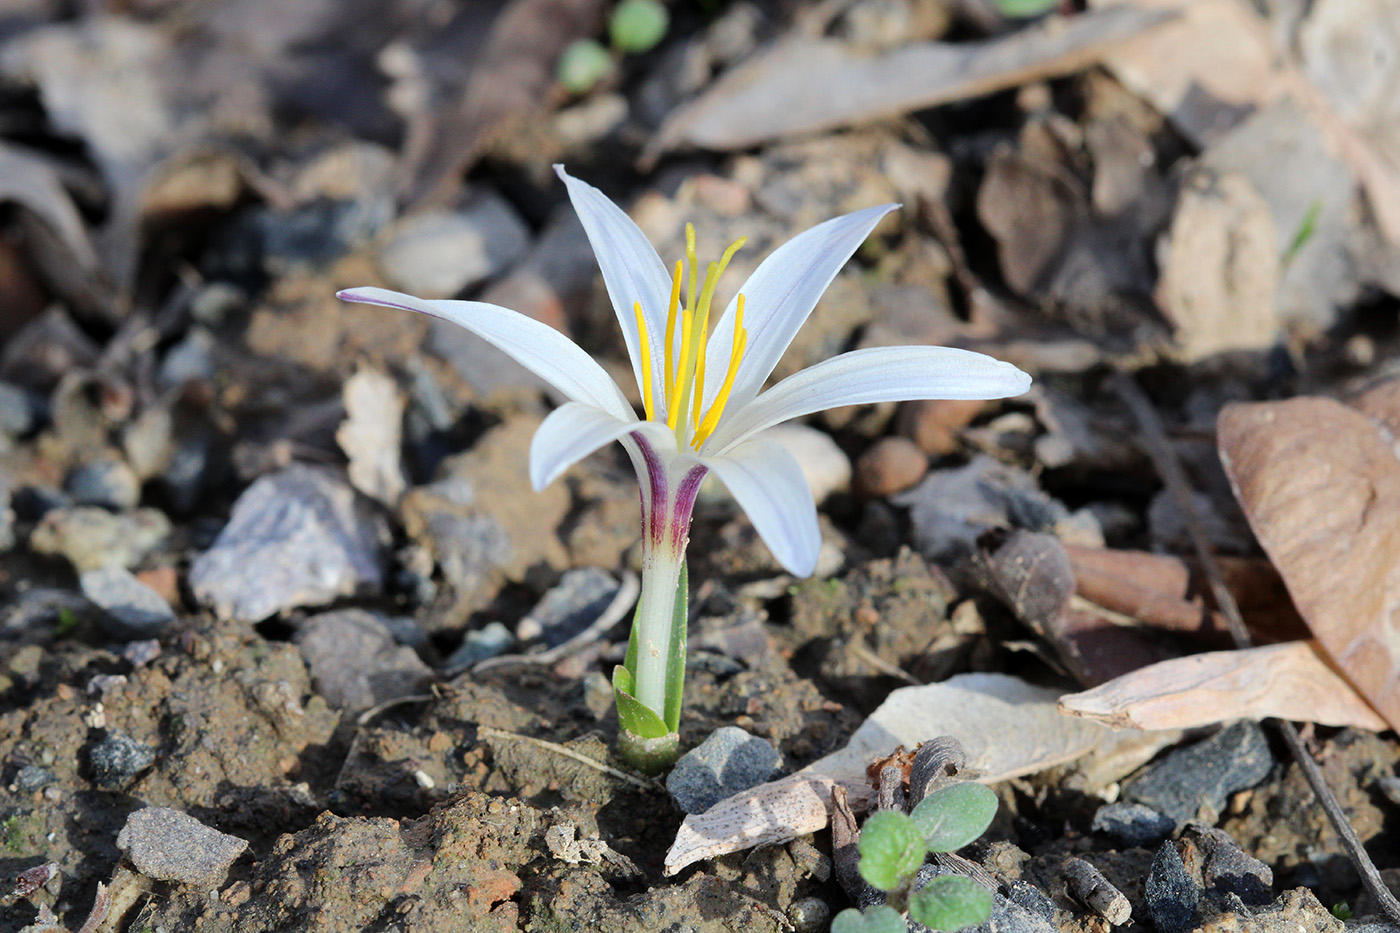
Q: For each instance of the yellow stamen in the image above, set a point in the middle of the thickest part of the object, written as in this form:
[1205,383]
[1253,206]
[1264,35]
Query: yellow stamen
[644,342]
[692,263]
[673,410]
[700,364]
[669,376]
[741,337]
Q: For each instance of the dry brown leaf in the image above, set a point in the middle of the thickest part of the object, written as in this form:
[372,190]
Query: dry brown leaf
[1320,484]
[804,84]
[1007,726]
[511,77]
[1289,681]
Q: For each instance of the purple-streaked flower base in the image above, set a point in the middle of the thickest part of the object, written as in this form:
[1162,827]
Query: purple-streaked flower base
[666,518]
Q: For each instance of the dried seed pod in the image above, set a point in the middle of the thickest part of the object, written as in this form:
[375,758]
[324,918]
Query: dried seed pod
[1087,885]
[845,835]
[935,764]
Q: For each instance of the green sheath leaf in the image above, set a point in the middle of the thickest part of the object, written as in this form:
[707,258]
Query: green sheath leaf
[675,664]
[631,714]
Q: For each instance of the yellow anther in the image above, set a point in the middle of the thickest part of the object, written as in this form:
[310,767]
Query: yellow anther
[644,343]
[692,262]
[741,337]
[669,375]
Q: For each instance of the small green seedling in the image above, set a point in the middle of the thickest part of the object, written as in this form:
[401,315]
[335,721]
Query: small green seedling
[636,26]
[1024,9]
[892,847]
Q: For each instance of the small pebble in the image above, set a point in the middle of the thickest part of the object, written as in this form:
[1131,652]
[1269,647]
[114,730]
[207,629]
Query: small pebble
[1170,894]
[933,424]
[297,537]
[91,537]
[355,662]
[32,777]
[890,465]
[106,482]
[490,641]
[824,464]
[169,845]
[729,761]
[1227,867]
[569,607]
[117,759]
[1133,824]
[439,254]
[809,915]
[132,610]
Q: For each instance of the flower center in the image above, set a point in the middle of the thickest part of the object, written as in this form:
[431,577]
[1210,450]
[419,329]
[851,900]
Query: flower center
[683,380]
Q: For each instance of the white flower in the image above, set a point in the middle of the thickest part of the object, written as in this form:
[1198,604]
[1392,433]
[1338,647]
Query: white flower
[701,374]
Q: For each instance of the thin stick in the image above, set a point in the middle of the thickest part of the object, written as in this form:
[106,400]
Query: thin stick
[1164,459]
[568,753]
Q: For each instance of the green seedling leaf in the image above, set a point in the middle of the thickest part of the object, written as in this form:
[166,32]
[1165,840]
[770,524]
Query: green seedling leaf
[951,902]
[675,664]
[953,816]
[1306,228]
[881,919]
[632,716]
[891,848]
[1023,9]
[637,25]
[581,65]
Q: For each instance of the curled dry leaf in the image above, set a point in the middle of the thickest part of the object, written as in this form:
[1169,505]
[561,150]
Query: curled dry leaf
[1289,681]
[803,84]
[1008,728]
[1320,484]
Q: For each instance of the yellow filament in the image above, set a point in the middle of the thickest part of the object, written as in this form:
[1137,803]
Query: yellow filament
[669,374]
[741,337]
[644,343]
[693,264]
[700,364]
[673,410]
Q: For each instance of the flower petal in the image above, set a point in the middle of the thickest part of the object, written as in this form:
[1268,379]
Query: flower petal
[877,374]
[766,481]
[631,270]
[576,429]
[538,347]
[780,295]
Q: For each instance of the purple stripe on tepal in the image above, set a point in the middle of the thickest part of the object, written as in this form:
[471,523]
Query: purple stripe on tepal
[652,514]
[685,503]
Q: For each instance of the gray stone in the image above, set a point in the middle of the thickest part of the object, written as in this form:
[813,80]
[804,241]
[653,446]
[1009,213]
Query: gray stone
[950,508]
[91,537]
[570,607]
[1202,776]
[297,537]
[1228,869]
[729,761]
[490,641]
[19,411]
[1170,894]
[189,360]
[355,662]
[106,482]
[436,255]
[469,548]
[169,845]
[117,759]
[132,609]
[1133,824]
[32,777]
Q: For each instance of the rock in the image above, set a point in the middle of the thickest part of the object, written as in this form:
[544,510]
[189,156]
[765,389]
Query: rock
[190,360]
[117,759]
[436,255]
[1202,776]
[32,777]
[132,609]
[106,482]
[1225,868]
[809,915]
[570,607]
[469,548]
[297,537]
[1220,268]
[950,508]
[490,641]
[1170,894]
[729,761]
[372,434]
[19,411]
[91,537]
[169,845]
[355,662]
[824,464]
[934,423]
[890,465]
[1133,824]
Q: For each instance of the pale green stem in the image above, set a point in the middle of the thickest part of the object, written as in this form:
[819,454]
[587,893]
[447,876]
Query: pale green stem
[661,570]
